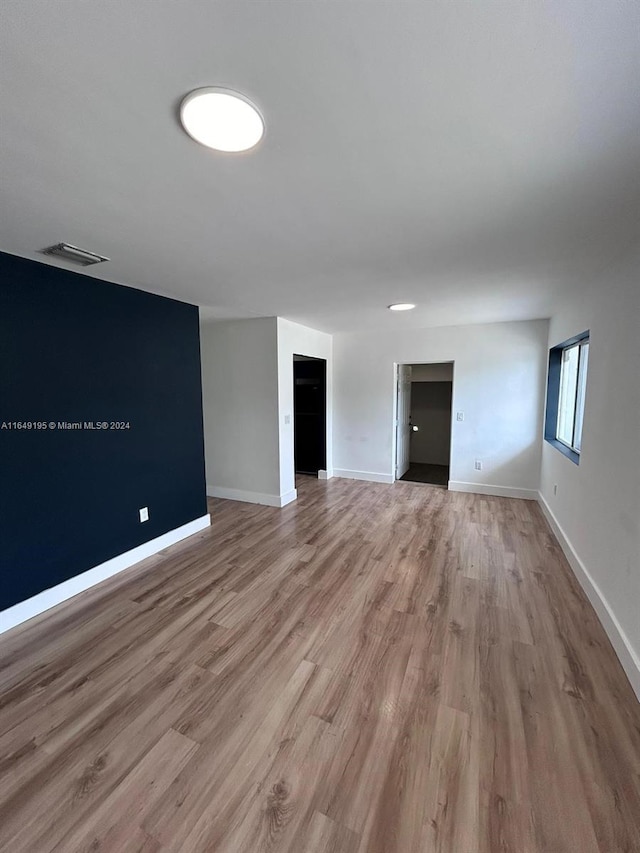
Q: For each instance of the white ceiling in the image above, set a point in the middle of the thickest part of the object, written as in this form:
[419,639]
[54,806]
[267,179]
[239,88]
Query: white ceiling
[477,158]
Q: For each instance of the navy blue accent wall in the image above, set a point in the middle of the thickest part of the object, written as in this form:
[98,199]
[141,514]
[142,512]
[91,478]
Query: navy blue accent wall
[75,350]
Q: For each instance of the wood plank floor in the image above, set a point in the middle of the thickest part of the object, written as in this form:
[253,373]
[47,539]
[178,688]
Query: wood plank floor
[389,669]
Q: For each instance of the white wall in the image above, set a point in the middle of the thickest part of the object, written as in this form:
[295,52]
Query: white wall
[294,339]
[499,381]
[247,379]
[240,402]
[597,505]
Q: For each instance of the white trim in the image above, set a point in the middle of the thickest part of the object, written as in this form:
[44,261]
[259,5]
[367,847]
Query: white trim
[619,640]
[498,491]
[288,497]
[48,598]
[325,475]
[251,497]
[370,476]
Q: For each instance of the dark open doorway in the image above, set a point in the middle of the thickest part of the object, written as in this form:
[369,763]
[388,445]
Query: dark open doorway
[310,414]
[429,430]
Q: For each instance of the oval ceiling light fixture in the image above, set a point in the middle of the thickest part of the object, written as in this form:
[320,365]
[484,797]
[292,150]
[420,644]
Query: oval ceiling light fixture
[401,306]
[221,119]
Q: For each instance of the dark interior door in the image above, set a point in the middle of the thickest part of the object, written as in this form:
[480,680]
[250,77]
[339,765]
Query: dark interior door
[310,402]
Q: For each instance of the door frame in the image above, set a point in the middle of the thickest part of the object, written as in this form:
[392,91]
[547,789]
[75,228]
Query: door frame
[400,381]
[396,365]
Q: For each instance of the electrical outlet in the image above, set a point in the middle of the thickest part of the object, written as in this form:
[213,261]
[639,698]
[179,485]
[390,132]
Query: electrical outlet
[287,419]
[144,513]
[478,465]
[459,416]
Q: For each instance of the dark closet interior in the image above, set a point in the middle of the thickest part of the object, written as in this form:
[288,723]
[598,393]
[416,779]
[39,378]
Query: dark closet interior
[310,404]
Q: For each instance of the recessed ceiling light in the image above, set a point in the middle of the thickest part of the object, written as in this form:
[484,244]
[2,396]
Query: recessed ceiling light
[221,119]
[402,306]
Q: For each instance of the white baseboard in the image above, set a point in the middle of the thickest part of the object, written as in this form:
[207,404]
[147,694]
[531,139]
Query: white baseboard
[498,491]
[370,476]
[619,640]
[325,475]
[48,598]
[288,497]
[251,497]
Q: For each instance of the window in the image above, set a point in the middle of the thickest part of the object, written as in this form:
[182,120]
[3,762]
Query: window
[568,363]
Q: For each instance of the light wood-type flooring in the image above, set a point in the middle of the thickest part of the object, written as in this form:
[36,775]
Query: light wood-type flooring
[374,668]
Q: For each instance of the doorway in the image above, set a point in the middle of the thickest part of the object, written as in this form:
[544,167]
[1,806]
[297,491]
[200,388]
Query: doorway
[309,414]
[423,423]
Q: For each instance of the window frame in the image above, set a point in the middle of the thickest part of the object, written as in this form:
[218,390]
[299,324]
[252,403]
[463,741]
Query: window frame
[553,395]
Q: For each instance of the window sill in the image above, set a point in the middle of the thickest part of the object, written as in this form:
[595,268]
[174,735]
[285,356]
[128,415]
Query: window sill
[566,451]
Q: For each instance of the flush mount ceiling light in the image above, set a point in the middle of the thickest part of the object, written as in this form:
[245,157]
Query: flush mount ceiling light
[221,119]
[401,306]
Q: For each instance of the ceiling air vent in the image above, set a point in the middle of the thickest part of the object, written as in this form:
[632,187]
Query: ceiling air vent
[74,254]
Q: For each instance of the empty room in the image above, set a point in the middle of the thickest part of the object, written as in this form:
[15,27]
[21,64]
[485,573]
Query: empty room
[319,426]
